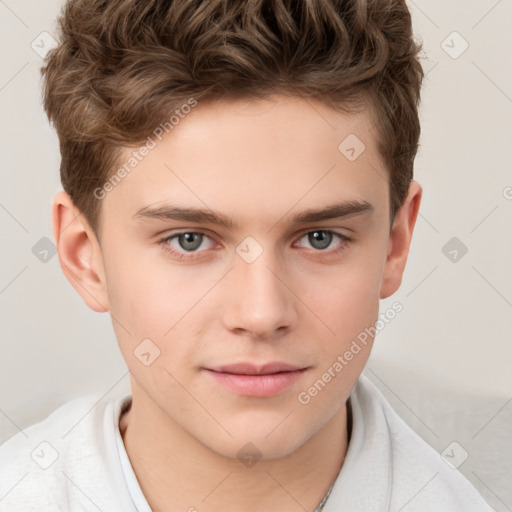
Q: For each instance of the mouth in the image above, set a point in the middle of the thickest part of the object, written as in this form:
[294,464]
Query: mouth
[248,379]
[255,369]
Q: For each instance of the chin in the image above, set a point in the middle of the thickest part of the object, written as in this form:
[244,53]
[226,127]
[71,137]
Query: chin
[257,444]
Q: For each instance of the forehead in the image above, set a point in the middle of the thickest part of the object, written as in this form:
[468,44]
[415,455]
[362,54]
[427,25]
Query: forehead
[263,156]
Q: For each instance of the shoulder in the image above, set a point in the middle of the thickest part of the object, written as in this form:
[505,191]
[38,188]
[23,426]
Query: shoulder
[419,477]
[66,461]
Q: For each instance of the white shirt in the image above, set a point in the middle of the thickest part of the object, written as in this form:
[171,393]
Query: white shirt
[75,461]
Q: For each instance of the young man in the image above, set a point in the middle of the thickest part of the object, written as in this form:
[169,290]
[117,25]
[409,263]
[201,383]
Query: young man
[238,195]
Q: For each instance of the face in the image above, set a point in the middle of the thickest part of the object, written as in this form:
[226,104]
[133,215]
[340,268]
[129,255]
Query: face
[278,274]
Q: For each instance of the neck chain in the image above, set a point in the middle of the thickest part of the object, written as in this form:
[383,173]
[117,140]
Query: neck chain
[349,432]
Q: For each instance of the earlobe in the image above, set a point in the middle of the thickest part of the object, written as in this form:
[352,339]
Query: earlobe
[79,252]
[400,241]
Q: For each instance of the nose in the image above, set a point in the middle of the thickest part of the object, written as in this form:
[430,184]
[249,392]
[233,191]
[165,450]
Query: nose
[258,301]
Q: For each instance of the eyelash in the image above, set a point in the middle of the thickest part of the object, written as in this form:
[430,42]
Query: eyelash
[344,240]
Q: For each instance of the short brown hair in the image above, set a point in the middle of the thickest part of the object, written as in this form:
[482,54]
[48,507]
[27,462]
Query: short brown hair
[122,66]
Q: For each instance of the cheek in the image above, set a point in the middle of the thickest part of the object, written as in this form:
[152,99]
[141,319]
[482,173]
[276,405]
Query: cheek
[148,294]
[346,298]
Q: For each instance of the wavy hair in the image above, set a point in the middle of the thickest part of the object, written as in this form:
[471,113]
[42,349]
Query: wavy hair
[122,66]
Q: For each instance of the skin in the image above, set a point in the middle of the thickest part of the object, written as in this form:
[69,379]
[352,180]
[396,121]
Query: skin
[259,163]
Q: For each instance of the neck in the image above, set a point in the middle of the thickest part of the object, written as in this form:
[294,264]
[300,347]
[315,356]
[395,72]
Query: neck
[177,472]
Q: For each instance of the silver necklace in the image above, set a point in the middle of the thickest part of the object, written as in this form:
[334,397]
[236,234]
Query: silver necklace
[324,499]
[349,429]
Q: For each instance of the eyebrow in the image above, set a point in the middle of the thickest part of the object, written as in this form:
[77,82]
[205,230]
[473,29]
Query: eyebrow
[202,216]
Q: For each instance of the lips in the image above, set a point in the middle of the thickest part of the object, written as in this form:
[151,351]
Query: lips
[252,369]
[263,380]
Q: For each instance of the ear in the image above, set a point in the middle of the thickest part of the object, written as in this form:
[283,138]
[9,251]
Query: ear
[79,252]
[400,241]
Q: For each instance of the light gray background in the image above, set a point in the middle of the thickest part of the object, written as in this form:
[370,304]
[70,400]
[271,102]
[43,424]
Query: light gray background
[457,316]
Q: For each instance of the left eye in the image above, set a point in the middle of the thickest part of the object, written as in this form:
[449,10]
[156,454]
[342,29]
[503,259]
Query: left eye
[189,241]
[321,239]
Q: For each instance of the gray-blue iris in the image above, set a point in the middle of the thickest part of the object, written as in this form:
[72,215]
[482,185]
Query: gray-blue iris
[320,239]
[190,241]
